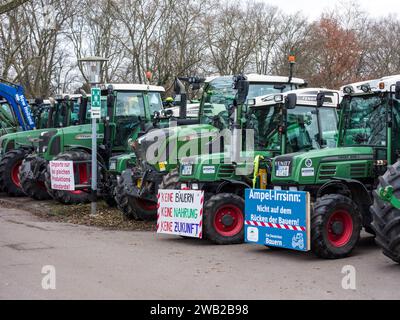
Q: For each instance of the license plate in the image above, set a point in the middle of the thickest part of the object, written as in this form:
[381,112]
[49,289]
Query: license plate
[282,171]
[139,183]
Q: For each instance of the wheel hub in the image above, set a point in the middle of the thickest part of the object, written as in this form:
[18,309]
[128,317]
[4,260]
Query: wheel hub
[337,227]
[227,220]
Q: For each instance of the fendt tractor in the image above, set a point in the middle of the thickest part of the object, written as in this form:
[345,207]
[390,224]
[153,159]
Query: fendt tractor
[137,188]
[341,180]
[296,121]
[128,110]
[386,207]
[18,149]
[15,147]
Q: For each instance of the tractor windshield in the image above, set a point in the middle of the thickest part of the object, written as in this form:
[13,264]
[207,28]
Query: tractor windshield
[364,121]
[304,130]
[218,96]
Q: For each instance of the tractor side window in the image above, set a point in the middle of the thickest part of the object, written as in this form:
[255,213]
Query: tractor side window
[328,119]
[75,113]
[365,122]
[7,112]
[155,102]
[396,128]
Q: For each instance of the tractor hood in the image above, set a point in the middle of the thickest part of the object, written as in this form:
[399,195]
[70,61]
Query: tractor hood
[218,166]
[22,138]
[169,145]
[319,166]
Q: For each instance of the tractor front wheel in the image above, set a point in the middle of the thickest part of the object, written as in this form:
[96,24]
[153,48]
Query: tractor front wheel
[9,172]
[335,226]
[386,218]
[32,185]
[133,208]
[223,219]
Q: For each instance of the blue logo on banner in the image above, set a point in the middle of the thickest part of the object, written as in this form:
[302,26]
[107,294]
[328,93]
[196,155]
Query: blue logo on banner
[277,218]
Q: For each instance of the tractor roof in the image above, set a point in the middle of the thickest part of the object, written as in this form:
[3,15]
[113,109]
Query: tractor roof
[261,78]
[134,87]
[306,96]
[384,84]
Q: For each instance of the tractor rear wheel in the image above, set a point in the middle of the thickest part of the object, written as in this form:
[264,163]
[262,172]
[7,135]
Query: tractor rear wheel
[335,226]
[82,176]
[386,218]
[33,186]
[223,220]
[133,208]
[9,172]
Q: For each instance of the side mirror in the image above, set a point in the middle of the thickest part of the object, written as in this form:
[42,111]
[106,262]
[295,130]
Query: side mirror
[241,84]
[397,90]
[291,101]
[320,99]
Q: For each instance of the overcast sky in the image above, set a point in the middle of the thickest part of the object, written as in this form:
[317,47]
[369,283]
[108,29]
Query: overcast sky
[313,8]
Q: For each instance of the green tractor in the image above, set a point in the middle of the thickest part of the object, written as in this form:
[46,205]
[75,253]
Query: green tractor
[127,111]
[15,147]
[282,123]
[341,180]
[137,187]
[386,206]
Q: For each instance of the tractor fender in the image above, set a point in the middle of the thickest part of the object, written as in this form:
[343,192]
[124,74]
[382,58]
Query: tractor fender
[232,185]
[351,188]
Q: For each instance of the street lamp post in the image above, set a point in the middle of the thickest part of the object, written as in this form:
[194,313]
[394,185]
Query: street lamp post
[91,68]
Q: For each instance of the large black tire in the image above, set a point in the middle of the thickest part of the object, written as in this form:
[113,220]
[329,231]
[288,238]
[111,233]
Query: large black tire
[9,172]
[69,197]
[386,218]
[32,186]
[131,207]
[170,181]
[335,226]
[223,220]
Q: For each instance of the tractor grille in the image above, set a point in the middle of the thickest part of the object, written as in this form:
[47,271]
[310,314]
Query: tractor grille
[226,171]
[326,172]
[358,170]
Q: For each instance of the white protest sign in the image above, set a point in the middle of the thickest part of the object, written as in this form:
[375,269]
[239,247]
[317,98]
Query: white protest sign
[180,212]
[62,175]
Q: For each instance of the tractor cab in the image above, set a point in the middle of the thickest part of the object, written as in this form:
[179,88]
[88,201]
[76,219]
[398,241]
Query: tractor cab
[341,180]
[218,95]
[310,123]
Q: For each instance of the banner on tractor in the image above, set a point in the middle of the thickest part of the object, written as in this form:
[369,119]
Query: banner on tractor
[278,218]
[62,175]
[180,212]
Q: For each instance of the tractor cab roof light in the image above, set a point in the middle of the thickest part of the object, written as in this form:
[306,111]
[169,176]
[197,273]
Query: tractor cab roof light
[348,90]
[381,85]
[278,98]
[365,88]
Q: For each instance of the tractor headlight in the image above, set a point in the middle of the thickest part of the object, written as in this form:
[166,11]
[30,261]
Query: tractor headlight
[187,169]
